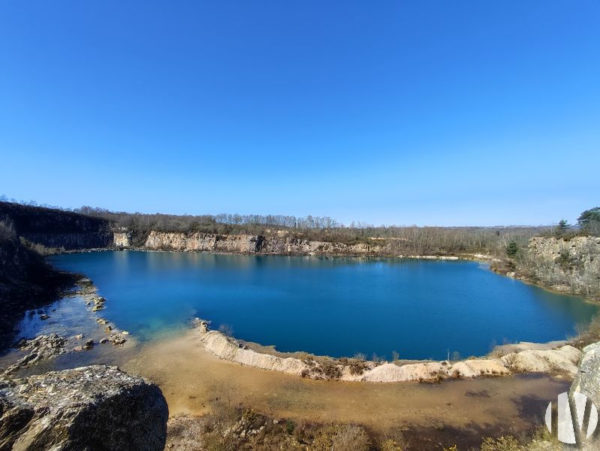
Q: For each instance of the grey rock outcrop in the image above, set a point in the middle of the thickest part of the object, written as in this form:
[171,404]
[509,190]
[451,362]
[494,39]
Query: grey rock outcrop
[568,265]
[121,239]
[587,382]
[89,408]
[40,348]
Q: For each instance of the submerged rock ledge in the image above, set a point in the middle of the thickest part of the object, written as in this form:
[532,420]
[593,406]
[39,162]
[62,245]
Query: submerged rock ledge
[556,358]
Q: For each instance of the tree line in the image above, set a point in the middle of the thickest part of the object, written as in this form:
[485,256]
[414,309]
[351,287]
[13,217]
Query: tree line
[406,240]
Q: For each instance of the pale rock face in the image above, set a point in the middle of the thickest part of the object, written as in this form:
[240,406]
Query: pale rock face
[228,349]
[587,381]
[93,407]
[563,360]
[389,372]
[202,242]
[583,247]
[571,265]
[250,244]
[121,239]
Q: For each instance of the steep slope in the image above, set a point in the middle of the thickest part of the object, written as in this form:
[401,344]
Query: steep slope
[26,282]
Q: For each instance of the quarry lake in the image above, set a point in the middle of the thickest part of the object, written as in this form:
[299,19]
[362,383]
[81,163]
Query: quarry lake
[328,306]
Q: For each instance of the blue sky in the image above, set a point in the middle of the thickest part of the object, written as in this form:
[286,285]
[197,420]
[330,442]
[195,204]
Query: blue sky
[395,112]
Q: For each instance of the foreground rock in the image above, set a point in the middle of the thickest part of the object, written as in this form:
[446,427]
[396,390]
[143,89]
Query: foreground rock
[587,382]
[94,407]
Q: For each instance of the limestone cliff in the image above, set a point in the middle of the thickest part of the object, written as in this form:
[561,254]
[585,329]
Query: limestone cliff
[122,239]
[277,243]
[567,265]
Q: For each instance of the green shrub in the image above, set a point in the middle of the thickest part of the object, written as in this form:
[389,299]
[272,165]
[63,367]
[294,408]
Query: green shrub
[290,426]
[512,249]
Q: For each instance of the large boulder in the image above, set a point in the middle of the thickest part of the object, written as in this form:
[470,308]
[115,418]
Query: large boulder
[587,381]
[90,408]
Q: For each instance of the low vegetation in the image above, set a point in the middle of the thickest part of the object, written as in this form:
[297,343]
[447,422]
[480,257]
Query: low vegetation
[236,427]
[233,428]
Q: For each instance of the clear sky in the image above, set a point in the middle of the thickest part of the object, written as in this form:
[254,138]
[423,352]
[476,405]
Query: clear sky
[395,112]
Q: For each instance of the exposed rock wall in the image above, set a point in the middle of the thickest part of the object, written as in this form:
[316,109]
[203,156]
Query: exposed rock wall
[203,242]
[56,228]
[250,244]
[95,407]
[122,239]
[26,282]
[568,265]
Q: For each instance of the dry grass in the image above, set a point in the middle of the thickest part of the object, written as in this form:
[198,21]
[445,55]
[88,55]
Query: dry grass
[232,428]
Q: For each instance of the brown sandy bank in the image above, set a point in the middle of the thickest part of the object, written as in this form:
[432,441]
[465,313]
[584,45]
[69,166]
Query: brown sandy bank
[192,378]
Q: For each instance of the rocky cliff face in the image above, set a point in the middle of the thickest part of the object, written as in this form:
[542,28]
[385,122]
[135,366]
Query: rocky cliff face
[89,408]
[251,244]
[26,282]
[203,242]
[56,228]
[122,239]
[568,265]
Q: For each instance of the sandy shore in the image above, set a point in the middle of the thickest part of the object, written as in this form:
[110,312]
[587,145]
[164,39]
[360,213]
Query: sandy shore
[557,358]
[192,378]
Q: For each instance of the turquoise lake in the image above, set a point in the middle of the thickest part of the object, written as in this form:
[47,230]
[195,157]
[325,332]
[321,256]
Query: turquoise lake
[328,306]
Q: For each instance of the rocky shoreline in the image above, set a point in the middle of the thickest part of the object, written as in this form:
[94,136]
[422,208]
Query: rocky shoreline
[556,358]
[91,407]
[47,346]
[566,266]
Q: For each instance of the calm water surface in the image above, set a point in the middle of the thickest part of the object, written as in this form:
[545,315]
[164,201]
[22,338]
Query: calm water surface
[330,306]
